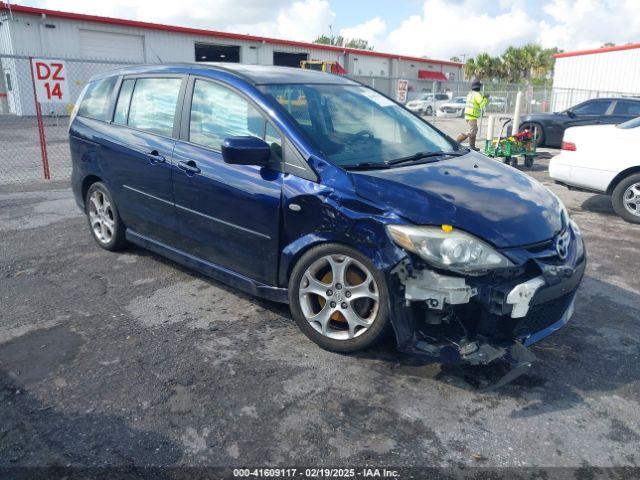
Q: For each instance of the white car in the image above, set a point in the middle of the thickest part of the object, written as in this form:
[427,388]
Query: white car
[604,159]
[454,108]
[426,104]
[497,104]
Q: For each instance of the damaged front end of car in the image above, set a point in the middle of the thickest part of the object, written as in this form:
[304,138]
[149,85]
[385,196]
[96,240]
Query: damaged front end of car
[482,316]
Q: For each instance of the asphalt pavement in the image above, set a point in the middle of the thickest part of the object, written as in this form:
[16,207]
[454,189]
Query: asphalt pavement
[124,359]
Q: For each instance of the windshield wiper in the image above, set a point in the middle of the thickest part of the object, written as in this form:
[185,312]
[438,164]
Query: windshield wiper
[421,155]
[410,158]
[367,166]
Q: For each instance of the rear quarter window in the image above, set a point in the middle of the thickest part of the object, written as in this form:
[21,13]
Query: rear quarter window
[124,99]
[627,107]
[97,99]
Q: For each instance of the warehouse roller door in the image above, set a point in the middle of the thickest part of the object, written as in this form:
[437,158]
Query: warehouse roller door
[108,45]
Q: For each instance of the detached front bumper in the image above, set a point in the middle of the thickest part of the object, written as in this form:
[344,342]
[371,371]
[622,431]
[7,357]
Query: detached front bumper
[478,320]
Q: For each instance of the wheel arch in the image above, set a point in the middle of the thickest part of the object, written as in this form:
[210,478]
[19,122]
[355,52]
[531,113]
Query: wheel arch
[291,254]
[86,184]
[294,251]
[621,176]
[538,125]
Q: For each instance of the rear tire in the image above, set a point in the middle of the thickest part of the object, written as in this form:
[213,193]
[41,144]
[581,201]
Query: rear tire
[105,224]
[339,299]
[625,198]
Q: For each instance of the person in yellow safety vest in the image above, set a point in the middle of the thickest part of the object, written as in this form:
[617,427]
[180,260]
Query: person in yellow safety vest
[475,103]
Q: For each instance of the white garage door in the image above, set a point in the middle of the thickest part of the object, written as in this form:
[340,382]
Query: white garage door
[118,46]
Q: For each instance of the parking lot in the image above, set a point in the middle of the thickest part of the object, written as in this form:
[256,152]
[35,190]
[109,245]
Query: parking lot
[129,359]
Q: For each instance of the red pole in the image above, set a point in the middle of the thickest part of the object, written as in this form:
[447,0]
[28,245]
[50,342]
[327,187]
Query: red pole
[43,140]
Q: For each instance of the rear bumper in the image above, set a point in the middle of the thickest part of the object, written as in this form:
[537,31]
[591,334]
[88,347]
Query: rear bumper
[560,168]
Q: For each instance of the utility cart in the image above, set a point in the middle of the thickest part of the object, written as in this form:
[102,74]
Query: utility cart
[510,146]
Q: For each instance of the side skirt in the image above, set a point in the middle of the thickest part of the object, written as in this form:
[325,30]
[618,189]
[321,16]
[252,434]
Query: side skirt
[217,272]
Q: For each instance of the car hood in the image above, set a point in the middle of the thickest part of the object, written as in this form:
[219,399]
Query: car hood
[453,105]
[474,193]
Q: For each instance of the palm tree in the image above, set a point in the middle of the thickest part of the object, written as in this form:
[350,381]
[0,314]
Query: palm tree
[513,64]
[528,63]
[484,66]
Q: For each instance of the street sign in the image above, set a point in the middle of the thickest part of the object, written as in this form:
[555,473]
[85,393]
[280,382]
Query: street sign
[50,81]
[403,89]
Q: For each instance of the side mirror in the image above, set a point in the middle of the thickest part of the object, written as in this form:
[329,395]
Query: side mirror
[571,113]
[246,151]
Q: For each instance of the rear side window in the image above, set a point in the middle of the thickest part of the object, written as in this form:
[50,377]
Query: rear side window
[626,107]
[218,112]
[153,105]
[124,100]
[96,100]
[592,108]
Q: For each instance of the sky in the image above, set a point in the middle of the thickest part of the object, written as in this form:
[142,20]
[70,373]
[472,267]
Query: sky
[433,28]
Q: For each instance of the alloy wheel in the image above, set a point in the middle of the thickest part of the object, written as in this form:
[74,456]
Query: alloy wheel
[631,199]
[339,297]
[101,217]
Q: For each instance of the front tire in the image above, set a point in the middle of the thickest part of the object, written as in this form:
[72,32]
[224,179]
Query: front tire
[339,299]
[104,221]
[625,198]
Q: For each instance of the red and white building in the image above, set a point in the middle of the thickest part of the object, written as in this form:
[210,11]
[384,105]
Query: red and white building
[35,32]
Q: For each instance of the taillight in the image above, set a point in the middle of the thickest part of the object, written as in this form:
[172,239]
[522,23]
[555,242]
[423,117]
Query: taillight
[570,146]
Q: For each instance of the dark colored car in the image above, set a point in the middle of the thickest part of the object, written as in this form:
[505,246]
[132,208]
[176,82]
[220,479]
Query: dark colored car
[311,189]
[550,127]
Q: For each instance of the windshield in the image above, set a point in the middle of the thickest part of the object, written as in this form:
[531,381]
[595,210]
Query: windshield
[352,125]
[633,123]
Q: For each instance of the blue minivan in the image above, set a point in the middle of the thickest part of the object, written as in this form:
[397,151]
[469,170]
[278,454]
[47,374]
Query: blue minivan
[315,190]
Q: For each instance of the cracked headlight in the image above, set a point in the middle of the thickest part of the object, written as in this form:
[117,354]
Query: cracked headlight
[448,248]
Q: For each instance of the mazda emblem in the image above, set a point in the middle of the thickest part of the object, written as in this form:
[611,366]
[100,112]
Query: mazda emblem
[562,245]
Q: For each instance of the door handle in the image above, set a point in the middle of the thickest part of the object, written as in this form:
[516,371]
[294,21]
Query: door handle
[155,157]
[190,167]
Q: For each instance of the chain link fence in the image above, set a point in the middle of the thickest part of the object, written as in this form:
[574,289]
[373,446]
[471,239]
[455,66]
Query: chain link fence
[25,150]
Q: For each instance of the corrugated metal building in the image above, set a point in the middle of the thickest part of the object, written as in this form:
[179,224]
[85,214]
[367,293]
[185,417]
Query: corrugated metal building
[28,31]
[585,74]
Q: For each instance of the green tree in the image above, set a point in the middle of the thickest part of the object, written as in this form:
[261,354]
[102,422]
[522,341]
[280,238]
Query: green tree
[359,43]
[340,41]
[527,64]
[484,66]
